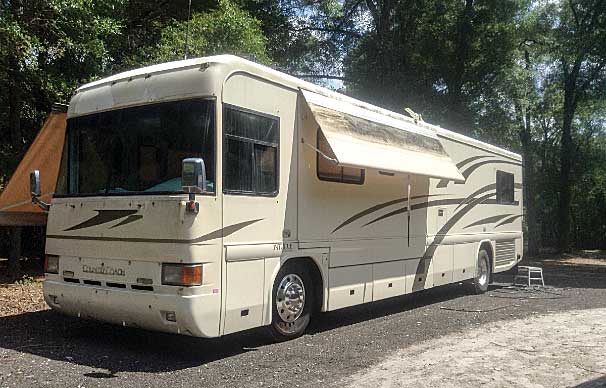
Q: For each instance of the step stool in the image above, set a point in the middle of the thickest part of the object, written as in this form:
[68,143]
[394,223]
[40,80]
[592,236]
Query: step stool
[529,274]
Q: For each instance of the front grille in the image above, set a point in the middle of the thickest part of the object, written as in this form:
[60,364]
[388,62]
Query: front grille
[115,285]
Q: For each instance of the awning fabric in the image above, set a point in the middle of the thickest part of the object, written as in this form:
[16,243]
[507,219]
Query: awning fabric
[44,154]
[365,138]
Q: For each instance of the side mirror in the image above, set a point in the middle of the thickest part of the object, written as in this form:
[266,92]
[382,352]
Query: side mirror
[34,183]
[34,188]
[193,175]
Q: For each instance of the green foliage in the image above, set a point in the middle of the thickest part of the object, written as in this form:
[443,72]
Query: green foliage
[25,280]
[225,30]
[49,47]
[523,74]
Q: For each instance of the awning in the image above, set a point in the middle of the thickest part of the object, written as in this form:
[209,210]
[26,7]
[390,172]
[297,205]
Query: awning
[365,138]
[44,154]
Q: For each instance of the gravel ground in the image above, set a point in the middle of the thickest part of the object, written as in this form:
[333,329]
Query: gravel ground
[560,349]
[42,348]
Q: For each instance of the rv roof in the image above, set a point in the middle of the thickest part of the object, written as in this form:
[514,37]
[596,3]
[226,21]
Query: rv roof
[241,64]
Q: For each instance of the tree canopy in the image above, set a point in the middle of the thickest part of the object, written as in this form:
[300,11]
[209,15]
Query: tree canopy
[528,75]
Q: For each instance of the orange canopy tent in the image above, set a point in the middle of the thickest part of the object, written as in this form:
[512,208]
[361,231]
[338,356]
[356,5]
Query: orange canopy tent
[44,154]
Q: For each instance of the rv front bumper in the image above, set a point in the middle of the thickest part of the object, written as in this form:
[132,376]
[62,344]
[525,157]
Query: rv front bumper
[195,315]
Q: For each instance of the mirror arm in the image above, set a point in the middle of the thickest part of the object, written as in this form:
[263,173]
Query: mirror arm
[42,205]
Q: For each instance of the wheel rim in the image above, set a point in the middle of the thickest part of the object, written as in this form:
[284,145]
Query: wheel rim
[483,272]
[290,298]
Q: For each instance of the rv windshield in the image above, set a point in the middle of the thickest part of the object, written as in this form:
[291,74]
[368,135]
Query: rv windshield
[138,150]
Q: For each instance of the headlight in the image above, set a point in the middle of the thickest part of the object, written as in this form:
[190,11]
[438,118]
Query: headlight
[181,274]
[51,264]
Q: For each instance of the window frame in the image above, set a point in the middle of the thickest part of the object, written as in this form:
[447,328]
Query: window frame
[67,149]
[336,180]
[276,145]
[499,198]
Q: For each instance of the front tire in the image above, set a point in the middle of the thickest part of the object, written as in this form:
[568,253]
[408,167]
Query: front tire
[482,278]
[292,297]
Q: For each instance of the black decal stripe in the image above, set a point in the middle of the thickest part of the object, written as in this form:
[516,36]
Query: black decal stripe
[494,202]
[439,202]
[471,159]
[375,208]
[485,189]
[508,220]
[444,182]
[429,252]
[479,191]
[228,230]
[488,220]
[474,167]
[128,220]
[102,217]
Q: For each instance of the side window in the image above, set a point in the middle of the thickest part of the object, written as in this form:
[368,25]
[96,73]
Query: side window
[250,149]
[329,171]
[504,187]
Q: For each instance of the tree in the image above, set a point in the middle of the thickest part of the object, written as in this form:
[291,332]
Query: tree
[580,47]
[226,29]
[435,57]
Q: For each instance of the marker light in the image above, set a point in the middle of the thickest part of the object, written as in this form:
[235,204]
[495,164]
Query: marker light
[51,264]
[181,274]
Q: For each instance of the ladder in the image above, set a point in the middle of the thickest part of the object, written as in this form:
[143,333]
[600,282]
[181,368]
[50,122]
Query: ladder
[527,274]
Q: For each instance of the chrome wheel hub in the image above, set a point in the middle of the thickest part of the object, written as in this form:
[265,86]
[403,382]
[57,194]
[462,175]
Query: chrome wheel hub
[483,272]
[290,298]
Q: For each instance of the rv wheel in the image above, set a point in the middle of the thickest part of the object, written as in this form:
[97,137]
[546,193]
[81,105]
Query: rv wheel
[482,278]
[293,301]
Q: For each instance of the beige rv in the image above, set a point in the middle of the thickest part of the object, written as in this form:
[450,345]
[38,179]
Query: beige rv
[213,195]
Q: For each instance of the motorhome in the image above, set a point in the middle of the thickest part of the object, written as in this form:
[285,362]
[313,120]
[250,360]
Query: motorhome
[214,195]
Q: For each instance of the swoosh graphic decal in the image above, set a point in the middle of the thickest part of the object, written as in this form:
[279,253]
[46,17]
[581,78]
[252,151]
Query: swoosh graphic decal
[128,220]
[474,167]
[429,252]
[508,220]
[380,206]
[444,182]
[485,189]
[439,202]
[223,232]
[488,220]
[479,191]
[102,217]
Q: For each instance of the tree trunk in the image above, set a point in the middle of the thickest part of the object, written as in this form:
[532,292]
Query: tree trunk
[529,188]
[14,257]
[14,101]
[566,158]
[455,88]
[529,193]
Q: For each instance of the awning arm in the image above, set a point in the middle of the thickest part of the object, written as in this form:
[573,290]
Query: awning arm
[322,154]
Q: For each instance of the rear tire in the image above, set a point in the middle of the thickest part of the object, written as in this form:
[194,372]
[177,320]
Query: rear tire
[482,279]
[292,302]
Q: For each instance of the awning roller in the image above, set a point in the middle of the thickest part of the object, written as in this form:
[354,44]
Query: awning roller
[365,138]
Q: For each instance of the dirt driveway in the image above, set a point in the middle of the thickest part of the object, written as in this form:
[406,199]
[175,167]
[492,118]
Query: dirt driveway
[417,333]
[556,350]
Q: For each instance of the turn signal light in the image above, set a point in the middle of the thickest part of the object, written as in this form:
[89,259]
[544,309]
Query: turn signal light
[51,264]
[182,274]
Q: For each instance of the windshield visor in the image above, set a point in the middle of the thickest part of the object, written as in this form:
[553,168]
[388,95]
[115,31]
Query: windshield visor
[138,150]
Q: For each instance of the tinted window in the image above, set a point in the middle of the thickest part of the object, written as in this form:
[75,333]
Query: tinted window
[504,187]
[251,152]
[138,149]
[328,170]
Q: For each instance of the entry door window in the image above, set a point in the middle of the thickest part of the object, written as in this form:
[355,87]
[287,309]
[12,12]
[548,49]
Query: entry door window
[251,150]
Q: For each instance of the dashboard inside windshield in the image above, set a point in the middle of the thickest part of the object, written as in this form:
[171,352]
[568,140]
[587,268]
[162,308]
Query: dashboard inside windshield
[138,150]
